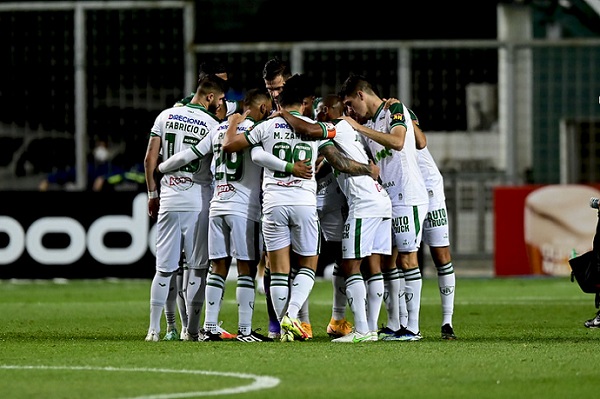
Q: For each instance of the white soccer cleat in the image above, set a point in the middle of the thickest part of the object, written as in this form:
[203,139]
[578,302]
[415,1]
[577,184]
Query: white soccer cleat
[356,337]
[152,336]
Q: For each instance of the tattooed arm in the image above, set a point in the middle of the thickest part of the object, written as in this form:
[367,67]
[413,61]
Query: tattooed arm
[340,162]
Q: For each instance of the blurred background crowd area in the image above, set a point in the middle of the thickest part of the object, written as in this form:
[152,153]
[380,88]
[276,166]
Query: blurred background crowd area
[91,90]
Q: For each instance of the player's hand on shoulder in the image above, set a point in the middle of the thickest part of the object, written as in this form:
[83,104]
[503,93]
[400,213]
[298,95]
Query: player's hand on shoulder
[389,102]
[351,121]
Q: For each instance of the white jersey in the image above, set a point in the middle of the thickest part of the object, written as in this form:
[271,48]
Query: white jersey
[434,181]
[277,138]
[366,197]
[400,174]
[237,178]
[329,196]
[231,107]
[180,128]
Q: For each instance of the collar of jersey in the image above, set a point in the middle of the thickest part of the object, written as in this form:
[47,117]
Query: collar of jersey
[379,110]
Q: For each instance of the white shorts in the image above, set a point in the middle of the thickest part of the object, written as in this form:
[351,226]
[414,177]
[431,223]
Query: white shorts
[407,226]
[235,236]
[297,225]
[363,237]
[332,224]
[175,231]
[435,226]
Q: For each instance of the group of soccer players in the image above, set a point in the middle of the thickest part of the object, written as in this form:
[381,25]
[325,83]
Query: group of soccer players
[230,180]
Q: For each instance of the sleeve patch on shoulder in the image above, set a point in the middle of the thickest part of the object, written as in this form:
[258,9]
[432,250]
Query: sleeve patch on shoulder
[399,117]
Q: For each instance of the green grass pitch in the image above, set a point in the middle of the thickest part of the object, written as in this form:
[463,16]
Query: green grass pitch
[517,338]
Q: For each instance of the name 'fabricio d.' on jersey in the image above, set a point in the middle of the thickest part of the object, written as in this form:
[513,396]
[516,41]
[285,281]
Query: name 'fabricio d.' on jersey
[179,129]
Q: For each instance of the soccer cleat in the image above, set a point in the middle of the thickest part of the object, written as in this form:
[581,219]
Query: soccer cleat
[183,332]
[293,325]
[448,332]
[172,335]
[191,337]
[287,336]
[594,203]
[385,332]
[356,337]
[210,336]
[254,336]
[403,334]
[591,323]
[339,328]
[308,329]
[152,336]
[225,334]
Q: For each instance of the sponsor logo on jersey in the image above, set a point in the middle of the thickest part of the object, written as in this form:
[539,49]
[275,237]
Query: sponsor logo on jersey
[399,117]
[186,119]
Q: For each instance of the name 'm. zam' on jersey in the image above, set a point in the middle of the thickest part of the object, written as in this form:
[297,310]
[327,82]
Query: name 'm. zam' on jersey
[285,135]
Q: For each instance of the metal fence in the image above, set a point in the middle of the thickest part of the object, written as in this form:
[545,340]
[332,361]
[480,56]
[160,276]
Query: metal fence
[496,112]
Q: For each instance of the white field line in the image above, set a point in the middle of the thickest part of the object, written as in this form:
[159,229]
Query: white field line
[257,382]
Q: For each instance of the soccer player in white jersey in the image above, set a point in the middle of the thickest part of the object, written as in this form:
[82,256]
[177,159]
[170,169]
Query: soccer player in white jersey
[182,207]
[179,280]
[290,221]
[436,230]
[391,141]
[235,212]
[366,232]
[332,209]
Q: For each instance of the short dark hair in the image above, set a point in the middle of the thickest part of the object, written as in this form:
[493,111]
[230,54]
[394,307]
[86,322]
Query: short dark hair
[355,83]
[296,89]
[276,67]
[211,67]
[256,95]
[212,83]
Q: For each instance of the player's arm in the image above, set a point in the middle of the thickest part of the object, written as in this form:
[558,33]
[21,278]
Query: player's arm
[178,160]
[394,139]
[319,130]
[233,142]
[188,155]
[343,164]
[420,137]
[150,164]
[262,158]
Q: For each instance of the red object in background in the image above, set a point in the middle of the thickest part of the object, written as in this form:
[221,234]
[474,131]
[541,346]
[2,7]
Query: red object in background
[510,253]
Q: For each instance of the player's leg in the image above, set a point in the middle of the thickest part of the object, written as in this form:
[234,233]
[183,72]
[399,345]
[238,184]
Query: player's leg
[172,304]
[407,236]
[181,285]
[357,300]
[171,310]
[198,263]
[168,249]
[375,244]
[332,225]
[436,236]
